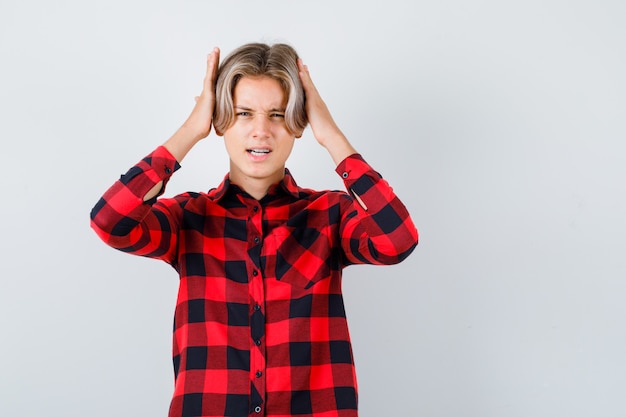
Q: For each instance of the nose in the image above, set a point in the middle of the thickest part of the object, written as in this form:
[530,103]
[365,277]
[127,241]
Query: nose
[260,127]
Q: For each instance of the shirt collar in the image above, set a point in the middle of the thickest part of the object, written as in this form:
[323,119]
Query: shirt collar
[287,185]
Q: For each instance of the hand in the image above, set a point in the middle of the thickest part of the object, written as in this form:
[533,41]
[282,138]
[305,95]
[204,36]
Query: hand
[200,120]
[325,130]
[198,124]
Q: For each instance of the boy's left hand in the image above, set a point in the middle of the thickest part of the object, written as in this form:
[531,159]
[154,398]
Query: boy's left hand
[325,130]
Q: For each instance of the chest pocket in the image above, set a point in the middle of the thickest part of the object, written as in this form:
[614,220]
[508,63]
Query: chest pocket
[299,256]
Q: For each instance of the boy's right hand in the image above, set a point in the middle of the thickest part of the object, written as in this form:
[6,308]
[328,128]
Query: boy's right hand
[199,121]
[198,124]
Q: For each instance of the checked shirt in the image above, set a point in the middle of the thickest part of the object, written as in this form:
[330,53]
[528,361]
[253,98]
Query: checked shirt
[260,326]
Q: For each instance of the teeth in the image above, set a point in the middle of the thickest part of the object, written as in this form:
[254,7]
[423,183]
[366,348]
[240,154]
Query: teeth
[259,151]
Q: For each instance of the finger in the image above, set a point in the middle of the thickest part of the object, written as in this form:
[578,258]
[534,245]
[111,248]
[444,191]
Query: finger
[213,60]
[303,71]
[302,66]
[216,63]
[305,78]
[212,65]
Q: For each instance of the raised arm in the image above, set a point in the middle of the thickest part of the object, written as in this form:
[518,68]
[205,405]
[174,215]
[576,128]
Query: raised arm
[376,227]
[128,217]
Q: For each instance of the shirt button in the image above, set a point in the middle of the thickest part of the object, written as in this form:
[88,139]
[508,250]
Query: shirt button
[257,409]
[257,307]
[255,273]
[255,208]
[259,374]
[257,240]
[257,342]
[168,170]
[345,175]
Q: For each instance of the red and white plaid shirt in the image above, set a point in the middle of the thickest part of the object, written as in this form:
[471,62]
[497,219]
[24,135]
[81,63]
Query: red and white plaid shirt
[260,326]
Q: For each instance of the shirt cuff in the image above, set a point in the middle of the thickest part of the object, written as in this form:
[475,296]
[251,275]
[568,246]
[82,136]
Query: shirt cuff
[163,162]
[354,167]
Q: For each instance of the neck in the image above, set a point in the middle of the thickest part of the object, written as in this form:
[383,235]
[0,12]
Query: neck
[256,187]
[257,191]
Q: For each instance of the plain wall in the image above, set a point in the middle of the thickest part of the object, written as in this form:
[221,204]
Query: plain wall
[500,124]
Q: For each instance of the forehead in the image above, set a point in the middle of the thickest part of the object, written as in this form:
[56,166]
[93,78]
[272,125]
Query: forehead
[261,91]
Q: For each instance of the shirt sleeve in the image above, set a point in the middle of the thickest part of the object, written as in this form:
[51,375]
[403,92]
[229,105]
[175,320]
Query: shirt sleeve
[123,220]
[376,227]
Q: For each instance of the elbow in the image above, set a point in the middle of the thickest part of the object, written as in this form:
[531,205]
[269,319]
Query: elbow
[406,243]
[113,229]
[396,250]
[405,254]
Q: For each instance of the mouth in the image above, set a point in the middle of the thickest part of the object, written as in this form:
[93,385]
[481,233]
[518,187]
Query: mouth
[258,151]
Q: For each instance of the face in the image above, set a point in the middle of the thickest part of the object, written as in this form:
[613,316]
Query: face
[258,142]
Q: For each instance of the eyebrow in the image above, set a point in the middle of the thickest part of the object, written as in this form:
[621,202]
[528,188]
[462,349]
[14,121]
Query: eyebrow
[274,109]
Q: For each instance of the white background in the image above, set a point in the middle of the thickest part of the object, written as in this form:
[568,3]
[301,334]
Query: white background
[500,124]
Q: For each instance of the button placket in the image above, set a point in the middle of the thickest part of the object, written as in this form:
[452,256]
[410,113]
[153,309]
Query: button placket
[257,320]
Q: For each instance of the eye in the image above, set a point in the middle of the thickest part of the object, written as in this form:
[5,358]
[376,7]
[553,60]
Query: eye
[277,115]
[243,113]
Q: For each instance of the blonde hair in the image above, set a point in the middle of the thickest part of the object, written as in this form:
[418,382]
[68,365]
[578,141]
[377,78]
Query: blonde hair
[278,61]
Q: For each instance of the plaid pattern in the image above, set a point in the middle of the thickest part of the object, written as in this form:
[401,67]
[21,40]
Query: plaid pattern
[260,326]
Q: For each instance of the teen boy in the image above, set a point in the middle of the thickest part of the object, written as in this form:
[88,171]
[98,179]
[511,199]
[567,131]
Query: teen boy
[260,326]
